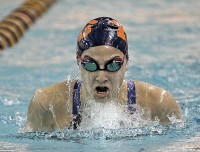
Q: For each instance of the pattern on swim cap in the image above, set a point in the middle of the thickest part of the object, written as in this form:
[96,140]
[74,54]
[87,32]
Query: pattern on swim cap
[102,31]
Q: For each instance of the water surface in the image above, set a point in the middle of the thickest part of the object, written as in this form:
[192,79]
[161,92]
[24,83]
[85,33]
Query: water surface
[164,50]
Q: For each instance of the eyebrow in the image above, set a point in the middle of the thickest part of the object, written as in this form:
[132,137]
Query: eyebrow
[107,60]
[88,57]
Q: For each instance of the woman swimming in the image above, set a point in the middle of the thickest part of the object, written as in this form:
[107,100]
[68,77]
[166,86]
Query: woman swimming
[102,57]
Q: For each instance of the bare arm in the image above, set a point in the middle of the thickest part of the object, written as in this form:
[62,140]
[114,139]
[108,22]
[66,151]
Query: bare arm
[170,108]
[164,106]
[40,118]
[50,108]
[157,102]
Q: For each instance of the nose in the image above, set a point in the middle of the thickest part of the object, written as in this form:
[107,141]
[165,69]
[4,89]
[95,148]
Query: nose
[102,76]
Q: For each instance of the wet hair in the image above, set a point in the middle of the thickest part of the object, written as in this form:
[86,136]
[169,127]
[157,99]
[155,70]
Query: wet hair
[102,31]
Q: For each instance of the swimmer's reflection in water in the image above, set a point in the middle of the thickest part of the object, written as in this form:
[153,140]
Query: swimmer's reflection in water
[102,57]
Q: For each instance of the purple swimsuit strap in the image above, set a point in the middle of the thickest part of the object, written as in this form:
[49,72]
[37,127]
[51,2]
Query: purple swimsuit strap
[131,96]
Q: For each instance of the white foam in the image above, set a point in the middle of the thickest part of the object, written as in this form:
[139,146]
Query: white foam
[110,115]
[9,102]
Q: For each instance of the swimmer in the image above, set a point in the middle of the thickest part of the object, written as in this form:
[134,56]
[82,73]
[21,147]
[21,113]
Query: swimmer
[102,58]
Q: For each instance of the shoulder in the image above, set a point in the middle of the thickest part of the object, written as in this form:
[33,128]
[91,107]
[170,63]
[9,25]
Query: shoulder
[56,92]
[145,90]
[57,87]
[50,107]
[60,88]
[159,101]
[43,97]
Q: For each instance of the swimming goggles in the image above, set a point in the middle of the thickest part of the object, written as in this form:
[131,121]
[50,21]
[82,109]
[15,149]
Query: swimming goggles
[112,65]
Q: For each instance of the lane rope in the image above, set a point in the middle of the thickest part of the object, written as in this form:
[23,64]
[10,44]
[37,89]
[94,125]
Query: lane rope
[14,25]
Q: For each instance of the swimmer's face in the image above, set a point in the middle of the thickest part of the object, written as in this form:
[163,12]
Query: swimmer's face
[102,84]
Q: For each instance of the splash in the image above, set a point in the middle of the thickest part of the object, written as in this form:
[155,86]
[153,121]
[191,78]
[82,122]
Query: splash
[102,133]
[9,102]
[111,121]
[17,119]
[110,115]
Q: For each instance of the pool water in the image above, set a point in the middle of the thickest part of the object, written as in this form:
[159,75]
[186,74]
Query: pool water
[164,50]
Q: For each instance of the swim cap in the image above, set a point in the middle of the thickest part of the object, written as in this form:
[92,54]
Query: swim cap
[102,31]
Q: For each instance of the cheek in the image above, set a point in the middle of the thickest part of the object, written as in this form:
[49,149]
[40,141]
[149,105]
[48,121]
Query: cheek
[86,76]
[118,77]
[88,79]
[121,72]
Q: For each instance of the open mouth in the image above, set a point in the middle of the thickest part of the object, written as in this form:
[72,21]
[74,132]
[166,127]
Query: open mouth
[102,91]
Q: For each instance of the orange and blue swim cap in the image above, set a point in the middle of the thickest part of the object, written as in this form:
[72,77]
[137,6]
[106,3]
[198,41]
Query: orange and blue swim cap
[102,31]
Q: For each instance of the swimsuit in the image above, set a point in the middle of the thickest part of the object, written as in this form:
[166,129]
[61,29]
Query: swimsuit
[77,103]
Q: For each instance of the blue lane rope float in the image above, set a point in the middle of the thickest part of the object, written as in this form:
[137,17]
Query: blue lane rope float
[13,26]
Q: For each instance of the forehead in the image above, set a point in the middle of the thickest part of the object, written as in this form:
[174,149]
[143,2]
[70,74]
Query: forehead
[103,52]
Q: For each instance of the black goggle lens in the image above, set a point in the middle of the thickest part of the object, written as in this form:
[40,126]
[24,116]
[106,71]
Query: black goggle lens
[89,66]
[112,66]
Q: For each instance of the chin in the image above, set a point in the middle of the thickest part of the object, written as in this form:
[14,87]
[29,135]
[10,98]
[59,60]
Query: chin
[101,99]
